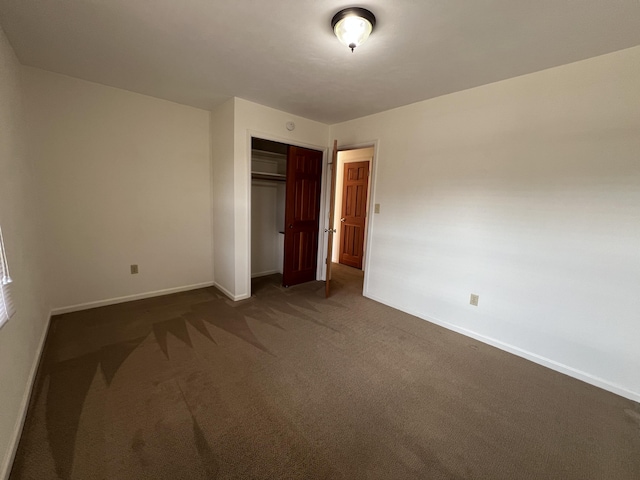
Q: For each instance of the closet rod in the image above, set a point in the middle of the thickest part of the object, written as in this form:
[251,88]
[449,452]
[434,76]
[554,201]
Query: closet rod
[275,177]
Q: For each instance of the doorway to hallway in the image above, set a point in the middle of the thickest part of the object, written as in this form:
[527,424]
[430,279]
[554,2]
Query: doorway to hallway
[351,206]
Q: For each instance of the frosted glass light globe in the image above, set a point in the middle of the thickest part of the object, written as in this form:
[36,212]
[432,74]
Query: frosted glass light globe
[353,26]
[352,31]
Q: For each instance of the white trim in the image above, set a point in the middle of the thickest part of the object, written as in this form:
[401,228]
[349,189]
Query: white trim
[264,274]
[533,357]
[211,198]
[233,297]
[325,204]
[129,298]
[7,463]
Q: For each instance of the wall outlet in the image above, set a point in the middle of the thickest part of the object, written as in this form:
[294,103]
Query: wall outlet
[474,299]
[134,269]
[376,208]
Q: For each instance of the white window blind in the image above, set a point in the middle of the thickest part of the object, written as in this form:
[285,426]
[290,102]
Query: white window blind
[6,305]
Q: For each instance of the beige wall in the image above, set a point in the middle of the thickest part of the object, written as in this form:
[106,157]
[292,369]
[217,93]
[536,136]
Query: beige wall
[526,192]
[20,216]
[222,164]
[126,180]
[249,119]
[264,122]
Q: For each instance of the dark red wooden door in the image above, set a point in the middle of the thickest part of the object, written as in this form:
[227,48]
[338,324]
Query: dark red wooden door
[302,215]
[354,213]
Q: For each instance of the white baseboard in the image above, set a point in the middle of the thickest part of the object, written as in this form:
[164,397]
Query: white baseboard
[540,360]
[24,407]
[264,274]
[129,298]
[233,297]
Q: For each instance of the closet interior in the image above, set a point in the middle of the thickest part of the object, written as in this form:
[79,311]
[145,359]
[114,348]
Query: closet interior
[268,195]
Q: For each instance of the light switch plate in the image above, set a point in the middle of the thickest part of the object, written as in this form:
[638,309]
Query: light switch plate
[134,269]
[376,208]
[474,299]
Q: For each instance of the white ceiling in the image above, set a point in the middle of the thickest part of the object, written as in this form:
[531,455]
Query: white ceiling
[283,54]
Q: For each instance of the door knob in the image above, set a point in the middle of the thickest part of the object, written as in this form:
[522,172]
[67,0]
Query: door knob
[342,219]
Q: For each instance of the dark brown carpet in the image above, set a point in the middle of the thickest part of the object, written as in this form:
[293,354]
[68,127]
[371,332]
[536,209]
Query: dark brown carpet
[288,385]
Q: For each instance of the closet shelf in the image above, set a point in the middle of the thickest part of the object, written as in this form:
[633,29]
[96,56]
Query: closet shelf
[277,177]
[265,153]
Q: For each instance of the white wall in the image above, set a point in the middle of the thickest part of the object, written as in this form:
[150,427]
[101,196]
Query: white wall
[20,217]
[526,192]
[263,122]
[126,180]
[222,164]
[267,214]
[348,156]
[264,228]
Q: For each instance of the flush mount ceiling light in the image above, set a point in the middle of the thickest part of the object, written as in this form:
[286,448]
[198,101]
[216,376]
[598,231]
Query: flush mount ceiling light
[353,26]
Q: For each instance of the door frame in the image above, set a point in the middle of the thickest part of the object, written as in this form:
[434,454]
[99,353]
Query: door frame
[373,170]
[323,188]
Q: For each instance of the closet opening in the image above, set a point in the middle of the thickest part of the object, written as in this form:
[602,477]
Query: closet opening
[268,191]
[286,183]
